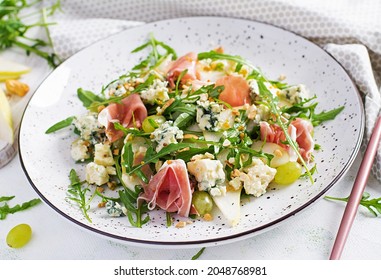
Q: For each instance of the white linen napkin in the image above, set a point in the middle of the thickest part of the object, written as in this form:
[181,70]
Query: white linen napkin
[348,30]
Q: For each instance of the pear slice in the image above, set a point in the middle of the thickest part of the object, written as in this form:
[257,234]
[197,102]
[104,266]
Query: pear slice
[280,154]
[10,68]
[6,121]
[3,78]
[230,205]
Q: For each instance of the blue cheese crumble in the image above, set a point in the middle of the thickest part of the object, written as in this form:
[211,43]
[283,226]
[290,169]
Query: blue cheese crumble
[166,134]
[89,128]
[79,150]
[254,179]
[157,92]
[294,94]
[209,173]
[114,209]
[211,116]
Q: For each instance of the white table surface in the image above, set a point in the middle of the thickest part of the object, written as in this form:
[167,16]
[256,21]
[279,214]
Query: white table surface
[308,235]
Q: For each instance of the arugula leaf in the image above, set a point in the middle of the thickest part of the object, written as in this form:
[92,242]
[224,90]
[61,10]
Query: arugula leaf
[60,125]
[88,98]
[78,194]
[156,54]
[173,147]
[5,209]
[135,210]
[195,257]
[325,115]
[373,205]
[215,55]
[184,120]
[14,28]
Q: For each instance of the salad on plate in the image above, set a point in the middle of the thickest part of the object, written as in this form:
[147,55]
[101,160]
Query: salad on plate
[190,135]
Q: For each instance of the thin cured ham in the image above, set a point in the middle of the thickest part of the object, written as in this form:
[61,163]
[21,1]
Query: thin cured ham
[170,189]
[130,113]
[304,138]
[300,131]
[187,62]
[236,90]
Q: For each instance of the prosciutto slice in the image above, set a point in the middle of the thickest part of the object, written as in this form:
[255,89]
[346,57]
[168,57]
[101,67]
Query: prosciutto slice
[130,113]
[188,62]
[236,90]
[300,131]
[304,138]
[170,189]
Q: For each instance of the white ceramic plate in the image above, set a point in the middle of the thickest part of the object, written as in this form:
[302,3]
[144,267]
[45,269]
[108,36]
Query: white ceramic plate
[46,158]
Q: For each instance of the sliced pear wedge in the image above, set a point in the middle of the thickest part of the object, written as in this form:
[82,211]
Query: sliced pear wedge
[230,205]
[10,68]
[280,154]
[6,121]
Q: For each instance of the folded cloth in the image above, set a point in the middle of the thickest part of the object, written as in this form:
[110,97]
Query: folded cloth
[348,30]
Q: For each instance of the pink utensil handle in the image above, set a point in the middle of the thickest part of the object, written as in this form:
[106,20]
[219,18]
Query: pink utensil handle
[357,192]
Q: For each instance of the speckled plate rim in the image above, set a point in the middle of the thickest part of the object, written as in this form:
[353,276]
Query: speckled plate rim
[214,241]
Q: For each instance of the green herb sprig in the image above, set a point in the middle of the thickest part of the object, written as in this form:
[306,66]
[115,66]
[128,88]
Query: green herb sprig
[77,193]
[6,210]
[373,205]
[14,28]
[135,208]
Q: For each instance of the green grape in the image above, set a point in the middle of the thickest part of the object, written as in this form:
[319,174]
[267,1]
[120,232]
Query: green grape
[203,202]
[150,123]
[288,173]
[19,236]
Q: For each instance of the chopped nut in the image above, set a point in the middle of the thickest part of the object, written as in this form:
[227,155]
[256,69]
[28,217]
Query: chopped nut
[184,150]
[235,173]
[282,77]
[16,87]
[115,152]
[102,204]
[208,217]
[181,224]
[219,50]
[111,185]
[100,189]
[190,136]
[100,108]
[166,105]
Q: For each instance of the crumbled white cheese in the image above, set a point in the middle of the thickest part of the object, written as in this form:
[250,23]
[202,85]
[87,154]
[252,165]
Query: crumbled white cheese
[79,150]
[166,134]
[209,174]
[255,178]
[122,85]
[158,91]
[294,94]
[88,127]
[212,116]
[96,174]
[114,209]
[103,154]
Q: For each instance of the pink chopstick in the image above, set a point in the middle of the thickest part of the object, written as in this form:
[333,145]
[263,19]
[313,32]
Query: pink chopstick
[357,192]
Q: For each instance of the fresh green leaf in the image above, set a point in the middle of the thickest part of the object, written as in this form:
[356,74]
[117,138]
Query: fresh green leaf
[88,98]
[326,115]
[6,210]
[60,125]
[199,253]
[373,205]
[135,210]
[184,120]
[14,28]
[77,193]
